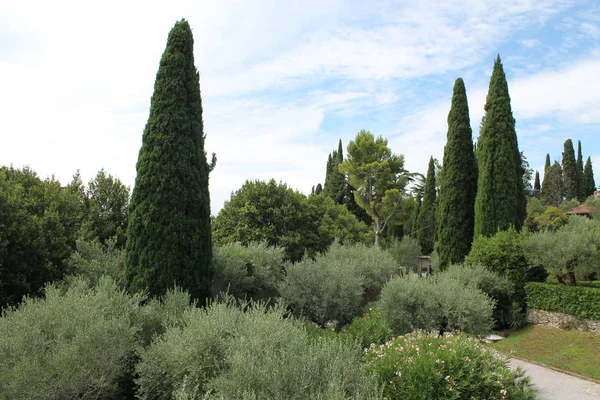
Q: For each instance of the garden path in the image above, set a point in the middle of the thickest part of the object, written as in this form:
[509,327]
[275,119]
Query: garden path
[554,385]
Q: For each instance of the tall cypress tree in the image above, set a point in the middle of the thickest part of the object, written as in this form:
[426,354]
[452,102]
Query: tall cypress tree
[335,181]
[427,213]
[581,178]
[569,167]
[588,174]
[456,213]
[537,188]
[500,201]
[547,164]
[553,188]
[169,232]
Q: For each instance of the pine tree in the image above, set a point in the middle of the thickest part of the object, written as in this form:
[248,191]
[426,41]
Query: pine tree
[537,188]
[456,212]
[569,167]
[500,201]
[427,213]
[169,230]
[588,173]
[581,177]
[553,188]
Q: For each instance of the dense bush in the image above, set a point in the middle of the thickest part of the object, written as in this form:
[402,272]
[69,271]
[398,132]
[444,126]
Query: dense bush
[333,286]
[93,260]
[497,287]
[370,327]
[257,354]
[583,302]
[421,366]
[570,253]
[73,345]
[248,272]
[405,252]
[323,290]
[436,305]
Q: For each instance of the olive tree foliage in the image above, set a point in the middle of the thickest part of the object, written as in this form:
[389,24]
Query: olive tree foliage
[378,177]
[570,253]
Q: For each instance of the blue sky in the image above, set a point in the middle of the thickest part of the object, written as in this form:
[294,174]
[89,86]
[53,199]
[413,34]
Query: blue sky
[282,81]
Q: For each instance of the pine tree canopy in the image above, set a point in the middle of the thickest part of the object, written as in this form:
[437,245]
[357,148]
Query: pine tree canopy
[455,216]
[500,201]
[169,230]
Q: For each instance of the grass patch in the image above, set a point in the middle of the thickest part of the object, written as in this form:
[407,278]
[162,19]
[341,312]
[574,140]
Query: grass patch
[572,351]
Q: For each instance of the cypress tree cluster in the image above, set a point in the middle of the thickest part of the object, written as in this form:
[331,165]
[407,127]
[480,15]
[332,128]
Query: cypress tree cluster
[570,173]
[169,231]
[458,188]
[553,187]
[500,201]
[335,181]
[427,212]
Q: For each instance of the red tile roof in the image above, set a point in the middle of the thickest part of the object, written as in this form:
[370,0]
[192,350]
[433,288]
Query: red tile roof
[582,209]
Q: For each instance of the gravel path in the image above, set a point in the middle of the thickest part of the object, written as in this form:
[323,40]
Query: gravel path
[553,385]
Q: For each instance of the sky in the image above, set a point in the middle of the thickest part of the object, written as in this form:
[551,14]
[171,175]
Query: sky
[282,80]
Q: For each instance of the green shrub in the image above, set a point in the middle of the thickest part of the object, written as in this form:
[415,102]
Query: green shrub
[93,260]
[436,305]
[371,327]
[497,287]
[248,272]
[73,345]
[583,302]
[258,353]
[421,366]
[592,284]
[405,252]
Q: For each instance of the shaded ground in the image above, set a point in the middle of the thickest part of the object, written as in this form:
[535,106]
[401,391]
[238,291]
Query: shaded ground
[553,385]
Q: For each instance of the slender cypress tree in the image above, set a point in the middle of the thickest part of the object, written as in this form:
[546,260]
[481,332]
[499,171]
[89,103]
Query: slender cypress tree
[500,201]
[427,213]
[169,231]
[335,181]
[581,178]
[456,213]
[569,167]
[537,188]
[588,173]
[547,164]
[553,188]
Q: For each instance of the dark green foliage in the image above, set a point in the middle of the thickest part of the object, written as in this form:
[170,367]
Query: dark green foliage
[588,173]
[169,234]
[371,327]
[39,222]
[280,216]
[547,163]
[248,272]
[106,214]
[553,187]
[527,176]
[537,188]
[580,175]
[500,201]
[335,181]
[427,213]
[319,189]
[570,174]
[456,212]
[583,302]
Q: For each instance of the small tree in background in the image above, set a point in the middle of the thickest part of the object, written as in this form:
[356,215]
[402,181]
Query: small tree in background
[588,173]
[426,219]
[581,177]
[379,179]
[552,188]
[169,233]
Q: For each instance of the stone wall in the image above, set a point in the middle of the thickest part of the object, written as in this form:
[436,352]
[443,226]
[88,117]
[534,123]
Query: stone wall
[563,321]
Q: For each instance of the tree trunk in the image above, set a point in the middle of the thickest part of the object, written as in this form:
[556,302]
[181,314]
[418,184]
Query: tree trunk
[378,234]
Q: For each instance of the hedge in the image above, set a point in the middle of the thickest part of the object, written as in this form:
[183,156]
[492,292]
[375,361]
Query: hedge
[583,302]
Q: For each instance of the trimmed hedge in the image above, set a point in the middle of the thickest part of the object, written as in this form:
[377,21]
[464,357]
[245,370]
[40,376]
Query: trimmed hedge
[583,302]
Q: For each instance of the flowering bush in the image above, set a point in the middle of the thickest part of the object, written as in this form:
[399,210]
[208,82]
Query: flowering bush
[425,366]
